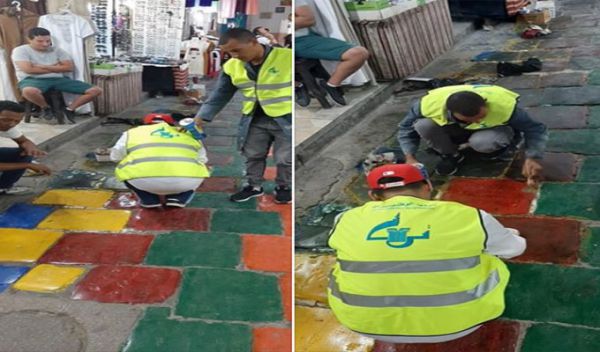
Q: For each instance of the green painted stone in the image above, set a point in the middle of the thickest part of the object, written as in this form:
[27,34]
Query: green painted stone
[586,95]
[594,117]
[556,338]
[552,293]
[156,332]
[574,141]
[220,250]
[590,247]
[233,170]
[570,199]
[230,295]
[246,221]
[217,200]
[590,171]
[594,78]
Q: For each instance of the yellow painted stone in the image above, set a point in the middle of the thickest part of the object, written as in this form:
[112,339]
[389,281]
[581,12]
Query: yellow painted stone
[48,278]
[75,198]
[17,245]
[86,220]
[311,275]
[318,330]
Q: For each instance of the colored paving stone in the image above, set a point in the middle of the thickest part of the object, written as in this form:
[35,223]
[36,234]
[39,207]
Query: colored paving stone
[270,173]
[25,245]
[584,63]
[10,274]
[560,117]
[587,95]
[594,117]
[125,200]
[219,141]
[285,285]
[478,165]
[216,200]
[564,79]
[317,330]
[570,199]
[74,178]
[219,250]
[202,296]
[590,171]
[558,167]
[548,240]
[594,78]
[530,97]
[269,339]
[574,141]
[520,82]
[24,216]
[232,170]
[246,221]
[156,332]
[267,203]
[219,159]
[553,293]
[311,273]
[83,248]
[49,278]
[127,284]
[556,338]
[267,253]
[170,220]
[496,336]
[86,220]
[505,197]
[590,247]
[218,184]
[75,198]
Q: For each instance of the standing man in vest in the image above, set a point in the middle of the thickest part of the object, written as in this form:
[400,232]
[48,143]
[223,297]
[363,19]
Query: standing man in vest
[159,159]
[263,74]
[485,116]
[414,270]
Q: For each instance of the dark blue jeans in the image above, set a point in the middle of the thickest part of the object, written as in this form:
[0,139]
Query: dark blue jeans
[12,155]
[148,198]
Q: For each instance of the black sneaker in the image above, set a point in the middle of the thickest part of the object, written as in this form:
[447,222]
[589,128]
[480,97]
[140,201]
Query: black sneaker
[246,193]
[47,114]
[283,195]
[335,92]
[449,164]
[70,115]
[302,97]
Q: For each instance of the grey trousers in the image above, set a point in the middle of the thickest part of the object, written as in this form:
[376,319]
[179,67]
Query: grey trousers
[264,132]
[446,139]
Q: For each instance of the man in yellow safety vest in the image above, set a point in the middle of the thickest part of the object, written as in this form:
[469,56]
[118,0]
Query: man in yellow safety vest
[410,269]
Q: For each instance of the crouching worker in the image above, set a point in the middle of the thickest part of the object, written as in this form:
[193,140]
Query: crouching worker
[160,159]
[415,270]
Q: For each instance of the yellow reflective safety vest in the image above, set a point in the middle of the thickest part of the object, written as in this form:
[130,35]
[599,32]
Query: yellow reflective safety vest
[272,90]
[160,150]
[501,104]
[409,266]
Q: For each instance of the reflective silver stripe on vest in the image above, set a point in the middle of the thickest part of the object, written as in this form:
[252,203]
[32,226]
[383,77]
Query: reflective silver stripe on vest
[275,100]
[159,158]
[409,266]
[246,85]
[158,145]
[252,99]
[274,86]
[447,299]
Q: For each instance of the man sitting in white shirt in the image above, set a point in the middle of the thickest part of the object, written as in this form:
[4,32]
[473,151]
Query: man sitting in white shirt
[14,161]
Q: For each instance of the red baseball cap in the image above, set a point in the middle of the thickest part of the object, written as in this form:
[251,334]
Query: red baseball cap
[158,118]
[407,172]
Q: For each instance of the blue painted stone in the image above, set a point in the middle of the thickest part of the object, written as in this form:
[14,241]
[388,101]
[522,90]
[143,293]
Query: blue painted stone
[10,274]
[24,216]
[3,287]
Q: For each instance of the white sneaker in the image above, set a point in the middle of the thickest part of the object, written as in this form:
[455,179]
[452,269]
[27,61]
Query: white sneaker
[15,190]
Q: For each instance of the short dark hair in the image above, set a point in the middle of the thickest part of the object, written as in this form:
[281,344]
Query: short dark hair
[37,32]
[256,32]
[465,103]
[240,34]
[410,187]
[11,106]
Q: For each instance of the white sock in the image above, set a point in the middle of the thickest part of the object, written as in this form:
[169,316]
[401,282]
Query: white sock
[69,109]
[331,85]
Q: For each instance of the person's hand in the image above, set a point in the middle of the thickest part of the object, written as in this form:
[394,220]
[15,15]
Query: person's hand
[39,168]
[410,159]
[198,122]
[532,169]
[30,149]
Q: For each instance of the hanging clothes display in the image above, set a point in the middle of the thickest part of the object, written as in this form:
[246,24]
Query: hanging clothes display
[252,7]
[68,32]
[6,90]
[157,28]
[195,55]
[227,8]
[13,33]
[37,7]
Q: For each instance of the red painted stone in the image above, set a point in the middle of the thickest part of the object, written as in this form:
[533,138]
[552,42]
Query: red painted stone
[267,253]
[218,184]
[285,285]
[270,339]
[549,240]
[496,336]
[127,284]
[219,159]
[267,203]
[270,173]
[165,219]
[86,248]
[123,200]
[504,197]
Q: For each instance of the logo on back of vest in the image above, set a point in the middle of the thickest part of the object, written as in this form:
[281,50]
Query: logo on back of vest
[273,70]
[393,235]
[162,133]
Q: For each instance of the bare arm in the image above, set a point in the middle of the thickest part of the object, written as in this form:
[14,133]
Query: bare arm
[61,66]
[304,17]
[28,67]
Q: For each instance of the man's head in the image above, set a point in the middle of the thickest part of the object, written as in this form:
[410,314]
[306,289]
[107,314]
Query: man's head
[467,106]
[39,38]
[392,180]
[11,114]
[260,30]
[241,44]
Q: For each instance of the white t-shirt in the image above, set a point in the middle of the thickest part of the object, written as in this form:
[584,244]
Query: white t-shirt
[13,133]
